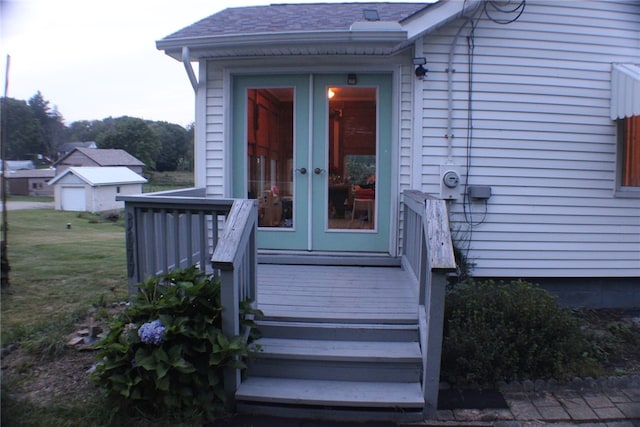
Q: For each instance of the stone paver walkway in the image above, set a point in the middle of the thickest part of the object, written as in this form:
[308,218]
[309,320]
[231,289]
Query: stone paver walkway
[609,402]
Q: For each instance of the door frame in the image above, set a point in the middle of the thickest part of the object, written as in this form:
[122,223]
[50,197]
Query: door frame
[255,67]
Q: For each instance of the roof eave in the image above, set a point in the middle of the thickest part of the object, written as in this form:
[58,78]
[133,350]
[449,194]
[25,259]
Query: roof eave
[436,16]
[203,46]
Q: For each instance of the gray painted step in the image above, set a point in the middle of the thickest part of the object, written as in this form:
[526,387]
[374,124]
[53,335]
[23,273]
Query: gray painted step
[331,393]
[327,350]
[335,371]
[338,331]
[385,361]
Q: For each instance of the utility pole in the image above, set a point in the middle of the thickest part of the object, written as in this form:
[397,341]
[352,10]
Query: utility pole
[3,151]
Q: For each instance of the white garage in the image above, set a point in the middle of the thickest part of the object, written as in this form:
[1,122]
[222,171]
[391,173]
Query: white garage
[94,189]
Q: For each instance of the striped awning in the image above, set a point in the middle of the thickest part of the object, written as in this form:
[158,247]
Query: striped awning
[625,91]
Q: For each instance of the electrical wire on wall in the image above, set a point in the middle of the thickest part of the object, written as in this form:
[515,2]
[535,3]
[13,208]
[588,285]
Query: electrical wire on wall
[501,12]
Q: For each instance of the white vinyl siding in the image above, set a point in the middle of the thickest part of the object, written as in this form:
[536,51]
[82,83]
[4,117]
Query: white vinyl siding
[542,139]
[215,132]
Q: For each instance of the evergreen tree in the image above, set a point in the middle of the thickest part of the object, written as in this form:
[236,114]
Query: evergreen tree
[24,138]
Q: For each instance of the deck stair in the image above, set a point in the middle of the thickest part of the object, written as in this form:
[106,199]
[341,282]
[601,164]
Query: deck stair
[334,370]
[367,366]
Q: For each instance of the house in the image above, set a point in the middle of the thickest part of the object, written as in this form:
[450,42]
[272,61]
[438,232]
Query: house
[352,135]
[94,189]
[511,116]
[68,147]
[30,182]
[80,157]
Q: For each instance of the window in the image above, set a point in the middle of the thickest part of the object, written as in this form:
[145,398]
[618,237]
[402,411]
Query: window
[629,154]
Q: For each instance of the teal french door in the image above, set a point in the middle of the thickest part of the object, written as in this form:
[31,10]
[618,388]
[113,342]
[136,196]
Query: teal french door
[315,150]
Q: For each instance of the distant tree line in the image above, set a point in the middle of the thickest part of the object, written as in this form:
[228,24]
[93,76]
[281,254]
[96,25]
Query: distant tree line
[36,131]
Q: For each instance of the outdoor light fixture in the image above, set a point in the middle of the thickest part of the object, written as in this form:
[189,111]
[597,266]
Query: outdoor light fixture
[331,93]
[420,62]
[352,79]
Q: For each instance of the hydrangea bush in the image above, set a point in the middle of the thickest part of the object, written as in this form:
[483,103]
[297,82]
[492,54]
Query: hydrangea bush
[166,353]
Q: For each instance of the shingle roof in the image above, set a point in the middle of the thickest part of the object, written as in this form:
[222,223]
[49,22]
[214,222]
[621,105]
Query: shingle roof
[278,18]
[107,157]
[96,176]
[32,173]
[70,146]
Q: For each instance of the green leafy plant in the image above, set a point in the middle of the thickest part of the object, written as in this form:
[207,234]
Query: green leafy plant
[166,353]
[509,331]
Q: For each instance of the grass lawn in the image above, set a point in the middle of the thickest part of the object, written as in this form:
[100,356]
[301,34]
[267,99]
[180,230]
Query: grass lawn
[58,275]
[163,181]
[56,271]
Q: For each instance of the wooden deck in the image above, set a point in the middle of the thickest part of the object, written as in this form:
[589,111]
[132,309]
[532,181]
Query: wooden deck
[337,293]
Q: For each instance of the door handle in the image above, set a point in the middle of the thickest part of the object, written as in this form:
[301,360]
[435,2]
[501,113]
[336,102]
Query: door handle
[318,171]
[303,171]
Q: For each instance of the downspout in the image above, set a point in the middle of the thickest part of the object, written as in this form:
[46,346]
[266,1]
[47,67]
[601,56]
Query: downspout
[186,61]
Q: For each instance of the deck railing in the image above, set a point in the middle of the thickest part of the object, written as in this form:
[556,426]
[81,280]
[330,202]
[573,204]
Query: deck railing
[178,229]
[236,258]
[428,253]
[171,230]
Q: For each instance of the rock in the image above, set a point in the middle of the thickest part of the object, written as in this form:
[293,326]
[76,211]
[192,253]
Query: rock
[75,341]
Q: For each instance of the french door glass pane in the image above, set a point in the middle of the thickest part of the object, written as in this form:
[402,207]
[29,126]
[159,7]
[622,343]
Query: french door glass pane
[352,158]
[270,154]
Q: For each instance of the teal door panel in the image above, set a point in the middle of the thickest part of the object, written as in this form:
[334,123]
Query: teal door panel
[357,127]
[270,155]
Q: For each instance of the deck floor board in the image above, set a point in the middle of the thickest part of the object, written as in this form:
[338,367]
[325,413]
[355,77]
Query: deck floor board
[315,292]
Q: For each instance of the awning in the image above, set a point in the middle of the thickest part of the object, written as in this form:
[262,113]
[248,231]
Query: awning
[625,91]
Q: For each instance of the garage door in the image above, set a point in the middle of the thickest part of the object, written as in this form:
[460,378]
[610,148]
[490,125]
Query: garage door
[73,199]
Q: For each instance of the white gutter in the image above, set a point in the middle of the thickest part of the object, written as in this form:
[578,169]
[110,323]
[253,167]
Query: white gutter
[186,60]
[200,45]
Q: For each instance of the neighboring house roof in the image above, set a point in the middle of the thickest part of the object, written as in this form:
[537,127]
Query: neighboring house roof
[32,173]
[106,157]
[15,165]
[68,147]
[96,176]
[248,30]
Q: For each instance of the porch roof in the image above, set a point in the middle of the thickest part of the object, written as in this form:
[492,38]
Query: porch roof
[297,29]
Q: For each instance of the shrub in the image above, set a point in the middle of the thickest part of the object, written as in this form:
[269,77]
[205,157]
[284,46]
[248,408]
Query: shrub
[166,353]
[508,331]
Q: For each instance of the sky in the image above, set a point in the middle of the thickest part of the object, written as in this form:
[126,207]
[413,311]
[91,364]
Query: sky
[93,59]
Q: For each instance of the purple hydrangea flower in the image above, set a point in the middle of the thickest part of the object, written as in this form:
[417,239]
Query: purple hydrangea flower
[152,332]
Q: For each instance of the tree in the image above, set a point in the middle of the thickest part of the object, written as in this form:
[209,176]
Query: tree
[174,145]
[52,126]
[24,138]
[132,135]
[86,130]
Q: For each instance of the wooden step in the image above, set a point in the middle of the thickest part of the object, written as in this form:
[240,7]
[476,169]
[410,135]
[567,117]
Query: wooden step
[327,350]
[338,331]
[323,393]
[337,360]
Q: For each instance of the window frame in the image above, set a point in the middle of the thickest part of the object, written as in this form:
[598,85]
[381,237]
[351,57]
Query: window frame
[623,190]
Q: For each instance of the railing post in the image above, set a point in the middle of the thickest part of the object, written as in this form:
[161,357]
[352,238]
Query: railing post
[229,295]
[133,263]
[435,321]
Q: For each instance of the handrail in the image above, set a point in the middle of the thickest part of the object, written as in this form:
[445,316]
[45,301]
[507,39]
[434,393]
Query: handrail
[428,254]
[236,258]
[169,230]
